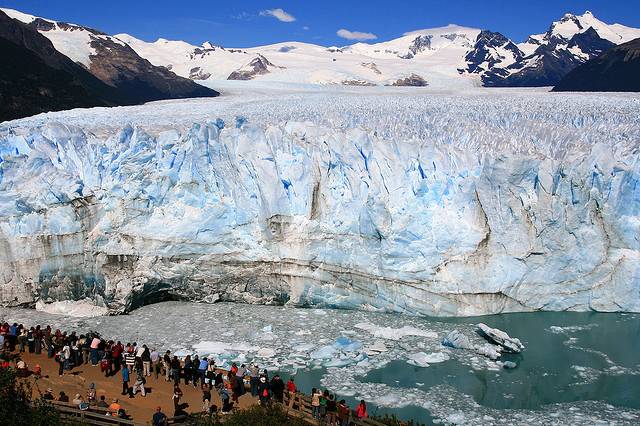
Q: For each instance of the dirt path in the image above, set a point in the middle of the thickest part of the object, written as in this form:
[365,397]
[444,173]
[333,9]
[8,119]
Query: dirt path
[159,392]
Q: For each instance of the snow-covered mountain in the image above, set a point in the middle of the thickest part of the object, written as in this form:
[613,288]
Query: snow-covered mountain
[450,56]
[446,56]
[112,61]
[547,58]
[435,55]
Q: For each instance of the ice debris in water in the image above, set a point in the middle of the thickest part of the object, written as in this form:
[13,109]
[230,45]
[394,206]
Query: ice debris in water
[231,332]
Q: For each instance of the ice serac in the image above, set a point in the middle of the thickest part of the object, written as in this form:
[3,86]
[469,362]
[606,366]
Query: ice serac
[447,206]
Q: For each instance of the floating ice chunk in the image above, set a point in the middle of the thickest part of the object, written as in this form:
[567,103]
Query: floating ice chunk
[501,338]
[347,345]
[394,333]
[266,353]
[267,329]
[418,359]
[304,347]
[79,309]
[437,357]
[422,359]
[507,364]
[457,340]
[489,350]
[220,348]
[376,348]
[324,352]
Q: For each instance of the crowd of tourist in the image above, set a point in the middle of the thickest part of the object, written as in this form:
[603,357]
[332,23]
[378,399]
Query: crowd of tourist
[128,360]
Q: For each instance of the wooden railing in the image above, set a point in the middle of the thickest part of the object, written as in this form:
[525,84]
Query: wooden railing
[92,415]
[305,411]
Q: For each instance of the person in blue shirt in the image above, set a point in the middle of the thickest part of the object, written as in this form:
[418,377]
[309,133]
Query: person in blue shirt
[125,380]
[159,418]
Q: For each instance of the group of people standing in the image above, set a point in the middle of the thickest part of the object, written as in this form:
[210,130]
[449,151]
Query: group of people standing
[72,350]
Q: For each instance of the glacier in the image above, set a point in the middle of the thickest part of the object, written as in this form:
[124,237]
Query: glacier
[415,201]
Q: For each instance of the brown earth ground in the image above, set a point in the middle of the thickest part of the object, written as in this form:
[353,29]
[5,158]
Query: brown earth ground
[141,409]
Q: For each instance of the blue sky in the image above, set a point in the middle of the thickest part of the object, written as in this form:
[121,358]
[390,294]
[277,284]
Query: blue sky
[251,22]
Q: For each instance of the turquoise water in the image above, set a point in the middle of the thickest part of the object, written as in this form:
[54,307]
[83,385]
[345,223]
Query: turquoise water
[592,357]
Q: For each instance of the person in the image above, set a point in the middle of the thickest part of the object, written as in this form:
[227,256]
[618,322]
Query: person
[227,405]
[125,379]
[22,340]
[240,379]
[233,383]
[78,399]
[277,387]
[331,410]
[264,393]
[102,403]
[291,392]
[62,397]
[37,371]
[159,418]
[116,355]
[66,355]
[138,385]
[206,397]
[37,335]
[31,340]
[93,346]
[177,395]
[91,393]
[129,359]
[146,361]
[175,370]
[343,413]
[106,364]
[166,361]
[155,362]
[218,380]
[361,410]
[21,369]
[115,407]
[324,398]
[187,369]
[315,403]
[85,347]
[254,379]
[59,358]
[212,376]
[202,371]
[48,395]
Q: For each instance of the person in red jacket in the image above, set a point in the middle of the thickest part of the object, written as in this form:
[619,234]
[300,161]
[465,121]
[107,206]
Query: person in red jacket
[361,410]
[291,390]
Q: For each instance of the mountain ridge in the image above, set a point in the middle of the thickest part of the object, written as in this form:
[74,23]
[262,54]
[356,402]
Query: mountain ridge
[443,57]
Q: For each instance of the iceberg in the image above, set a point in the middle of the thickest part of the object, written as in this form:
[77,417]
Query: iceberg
[446,204]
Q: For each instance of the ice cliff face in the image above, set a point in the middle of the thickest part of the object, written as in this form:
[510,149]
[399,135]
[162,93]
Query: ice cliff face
[437,205]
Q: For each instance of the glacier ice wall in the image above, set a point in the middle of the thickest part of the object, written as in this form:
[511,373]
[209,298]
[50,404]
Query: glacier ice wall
[442,206]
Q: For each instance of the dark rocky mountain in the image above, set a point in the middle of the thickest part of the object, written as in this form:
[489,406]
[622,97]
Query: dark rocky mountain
[38,78]
[118,65]
[616,70]
[490,51]
[550,62]
[258,66]
[413,80]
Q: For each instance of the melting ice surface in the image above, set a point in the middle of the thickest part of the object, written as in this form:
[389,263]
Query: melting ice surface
[577,368]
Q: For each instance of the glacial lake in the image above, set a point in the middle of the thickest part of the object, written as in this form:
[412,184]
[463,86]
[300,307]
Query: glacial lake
[577,368]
